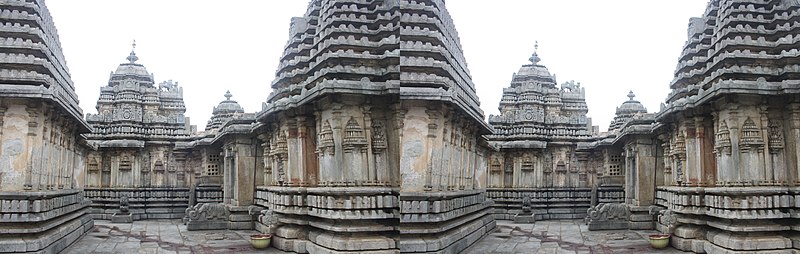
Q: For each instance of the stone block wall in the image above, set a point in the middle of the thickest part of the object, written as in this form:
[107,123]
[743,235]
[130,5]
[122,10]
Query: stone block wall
[443,222]
[208,193]
[331,220]
[731,219]
[552,203]
[144,203]
[42,222]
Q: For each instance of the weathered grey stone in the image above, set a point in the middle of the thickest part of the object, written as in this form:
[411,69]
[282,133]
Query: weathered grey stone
[608,216]
[122,218]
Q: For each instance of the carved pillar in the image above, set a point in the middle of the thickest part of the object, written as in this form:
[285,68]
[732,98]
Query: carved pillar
[794,132]
[679,157]
[631,177]
[2,121]
[33,127]
[309,166]
[266,159]
[55,149]
[694,159]
[463,148]
[433,113]
[279,154]
[583,168]
[69,158]
[229,172]
[295,162]
[733,126]
[776,163]
[338,124]
[380,159]
[369,172]
[767,174]
[705,139]
[44,160]
[440,179]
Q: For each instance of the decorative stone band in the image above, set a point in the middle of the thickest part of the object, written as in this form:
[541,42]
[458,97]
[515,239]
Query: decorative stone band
[443,222]
[329,219]
[42,222]
[208,193]
[730,219]
[144,203]
[551,203]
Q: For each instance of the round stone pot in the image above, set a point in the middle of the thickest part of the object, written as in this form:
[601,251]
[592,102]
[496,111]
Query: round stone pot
[659,241]
[260,241]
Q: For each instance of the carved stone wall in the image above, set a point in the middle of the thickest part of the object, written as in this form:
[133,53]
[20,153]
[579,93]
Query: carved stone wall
[441,196]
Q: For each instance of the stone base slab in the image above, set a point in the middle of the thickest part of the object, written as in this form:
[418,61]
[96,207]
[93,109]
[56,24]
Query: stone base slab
[524,218]
[207,225]
[122,218]
[608,225]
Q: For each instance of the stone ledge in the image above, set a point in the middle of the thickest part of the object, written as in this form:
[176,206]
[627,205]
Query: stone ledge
[451,241]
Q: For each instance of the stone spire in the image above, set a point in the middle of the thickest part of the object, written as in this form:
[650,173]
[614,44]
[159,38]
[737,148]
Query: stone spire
[132,56]
[535,109]
[223,112]
[535,57]
[33,62]
[626,112]
[125,108]
[728,47]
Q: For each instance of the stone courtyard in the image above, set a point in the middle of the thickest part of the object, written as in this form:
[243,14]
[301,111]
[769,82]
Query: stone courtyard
[563,236]
[162,236]
[546,237]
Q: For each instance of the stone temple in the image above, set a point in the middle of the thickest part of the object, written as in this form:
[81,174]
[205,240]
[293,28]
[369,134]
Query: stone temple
[373,141]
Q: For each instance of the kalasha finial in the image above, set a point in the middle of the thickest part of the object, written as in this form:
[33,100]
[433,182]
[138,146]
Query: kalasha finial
[228,95]
[535,57]
[631,95]
[132,57]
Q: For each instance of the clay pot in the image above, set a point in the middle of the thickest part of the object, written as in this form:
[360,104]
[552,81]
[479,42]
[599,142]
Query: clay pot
[659,241]
[260,241]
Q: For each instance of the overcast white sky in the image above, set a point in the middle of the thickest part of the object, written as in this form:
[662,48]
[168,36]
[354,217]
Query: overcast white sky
[209,47]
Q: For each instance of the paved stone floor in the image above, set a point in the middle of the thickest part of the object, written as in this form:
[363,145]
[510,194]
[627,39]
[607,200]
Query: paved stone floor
[171,236]
[162,236]
[566,236]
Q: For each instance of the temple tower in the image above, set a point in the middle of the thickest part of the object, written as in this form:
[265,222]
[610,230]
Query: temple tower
[136,128]
[730,131]
[443,156]
[537,133]
[41,149]
[373,119]
[224,111]
[327,139]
